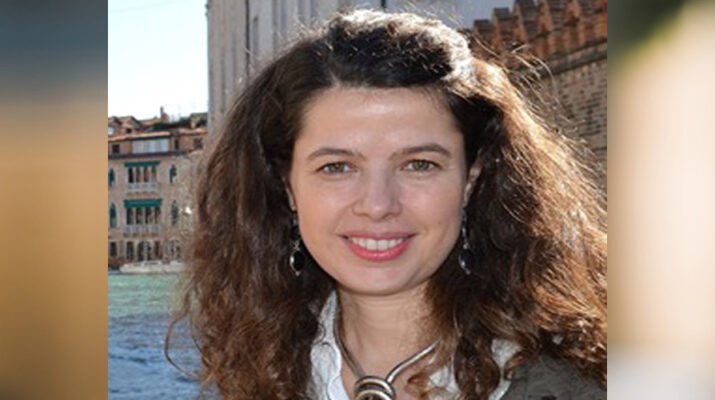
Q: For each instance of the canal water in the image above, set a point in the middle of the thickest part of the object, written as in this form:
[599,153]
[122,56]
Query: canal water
[138,316]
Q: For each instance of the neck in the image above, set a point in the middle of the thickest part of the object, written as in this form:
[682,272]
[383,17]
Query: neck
[381,331]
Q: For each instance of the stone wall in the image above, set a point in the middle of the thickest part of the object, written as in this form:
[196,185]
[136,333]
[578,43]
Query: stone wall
[564,42]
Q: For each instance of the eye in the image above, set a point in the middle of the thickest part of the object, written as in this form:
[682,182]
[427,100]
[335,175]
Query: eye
[335,168]
[420,166]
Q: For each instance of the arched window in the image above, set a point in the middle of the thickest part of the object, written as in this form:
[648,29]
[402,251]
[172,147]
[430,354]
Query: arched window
[144,251]
[112,216]
[174,214]
[130,251]
[173,251]
[111,177]
[172,174]
[157,250]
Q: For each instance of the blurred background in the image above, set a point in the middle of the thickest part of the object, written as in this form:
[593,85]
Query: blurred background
[54,110]
[661,196]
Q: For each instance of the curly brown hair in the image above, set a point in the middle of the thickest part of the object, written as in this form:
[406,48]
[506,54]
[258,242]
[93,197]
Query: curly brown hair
[537,222]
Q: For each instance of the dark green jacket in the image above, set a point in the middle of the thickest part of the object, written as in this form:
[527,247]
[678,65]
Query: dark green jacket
[548,379]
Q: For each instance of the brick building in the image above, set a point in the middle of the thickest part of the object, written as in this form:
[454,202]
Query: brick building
[566,40]
[151,170]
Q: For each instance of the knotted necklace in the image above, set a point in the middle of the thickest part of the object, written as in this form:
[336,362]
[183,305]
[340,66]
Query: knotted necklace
[371,387]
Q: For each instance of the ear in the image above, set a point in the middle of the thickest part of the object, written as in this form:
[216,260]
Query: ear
[472,176]
[289,193]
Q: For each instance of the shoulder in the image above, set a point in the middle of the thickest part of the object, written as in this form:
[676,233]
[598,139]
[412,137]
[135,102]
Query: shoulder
[550,379]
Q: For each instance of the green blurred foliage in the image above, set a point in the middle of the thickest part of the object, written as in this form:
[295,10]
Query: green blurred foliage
[633,21]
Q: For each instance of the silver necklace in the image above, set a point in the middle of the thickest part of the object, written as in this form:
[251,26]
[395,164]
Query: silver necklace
[371,387]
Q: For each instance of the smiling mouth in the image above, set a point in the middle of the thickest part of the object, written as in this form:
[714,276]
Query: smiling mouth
[376,245]
[377,250]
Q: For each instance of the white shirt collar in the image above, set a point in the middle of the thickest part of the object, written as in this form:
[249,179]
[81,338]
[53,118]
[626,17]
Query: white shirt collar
[327,361]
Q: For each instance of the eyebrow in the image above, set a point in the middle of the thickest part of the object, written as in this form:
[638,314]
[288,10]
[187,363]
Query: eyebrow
[333,151]
[425,148]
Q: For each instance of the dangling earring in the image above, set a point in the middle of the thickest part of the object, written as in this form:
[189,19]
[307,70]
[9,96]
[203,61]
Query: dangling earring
[297,257]
[466,255]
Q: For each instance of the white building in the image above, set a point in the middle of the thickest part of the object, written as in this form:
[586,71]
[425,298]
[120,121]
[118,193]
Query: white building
[243,34]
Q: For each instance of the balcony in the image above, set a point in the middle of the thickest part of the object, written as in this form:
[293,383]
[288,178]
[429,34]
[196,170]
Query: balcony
[143,187]
[137,230]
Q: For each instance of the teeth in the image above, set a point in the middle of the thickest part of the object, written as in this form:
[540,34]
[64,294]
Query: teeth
[376,245]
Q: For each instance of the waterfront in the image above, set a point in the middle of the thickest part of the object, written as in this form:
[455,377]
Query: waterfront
[138,315]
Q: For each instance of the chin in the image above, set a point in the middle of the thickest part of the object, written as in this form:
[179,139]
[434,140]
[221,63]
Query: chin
[380,284]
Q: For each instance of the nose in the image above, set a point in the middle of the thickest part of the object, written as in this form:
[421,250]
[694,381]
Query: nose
[379,197]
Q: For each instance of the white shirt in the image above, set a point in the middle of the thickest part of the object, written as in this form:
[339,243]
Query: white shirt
[327,361]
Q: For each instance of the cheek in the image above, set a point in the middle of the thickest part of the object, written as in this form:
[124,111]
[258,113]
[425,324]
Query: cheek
[320,209]
[440,202]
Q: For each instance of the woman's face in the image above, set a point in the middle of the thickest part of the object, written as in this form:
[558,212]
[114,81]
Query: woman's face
[378,180]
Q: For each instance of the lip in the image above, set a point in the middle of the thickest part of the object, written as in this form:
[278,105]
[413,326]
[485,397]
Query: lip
[378,255]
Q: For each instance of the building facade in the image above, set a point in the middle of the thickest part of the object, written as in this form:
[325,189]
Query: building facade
[569,39]
[150,178]
[243,35]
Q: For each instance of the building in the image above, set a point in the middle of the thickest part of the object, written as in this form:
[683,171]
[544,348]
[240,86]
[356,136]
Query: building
[151,173]
[242,35]
[569,40]
[566,40]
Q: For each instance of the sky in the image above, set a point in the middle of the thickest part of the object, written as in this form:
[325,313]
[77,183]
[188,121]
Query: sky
[157,57]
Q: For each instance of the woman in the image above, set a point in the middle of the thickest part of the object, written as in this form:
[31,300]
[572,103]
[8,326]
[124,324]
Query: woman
[383,217]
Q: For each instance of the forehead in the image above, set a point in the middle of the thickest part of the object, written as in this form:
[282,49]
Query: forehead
[361,116]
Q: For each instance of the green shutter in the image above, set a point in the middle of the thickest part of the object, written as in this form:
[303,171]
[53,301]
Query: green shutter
[141,164]
[138,203]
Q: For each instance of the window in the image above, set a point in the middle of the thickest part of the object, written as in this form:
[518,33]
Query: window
[157,250]
[111,177]
[174,214]
[110,131]
[150,146]
[139,216]
[112,249]
[112,216]
[149,216]
[172,174]
[115,149]
[174,250]
[198,143]
[141,172]
[144,251]
[130,251]
[130,216]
